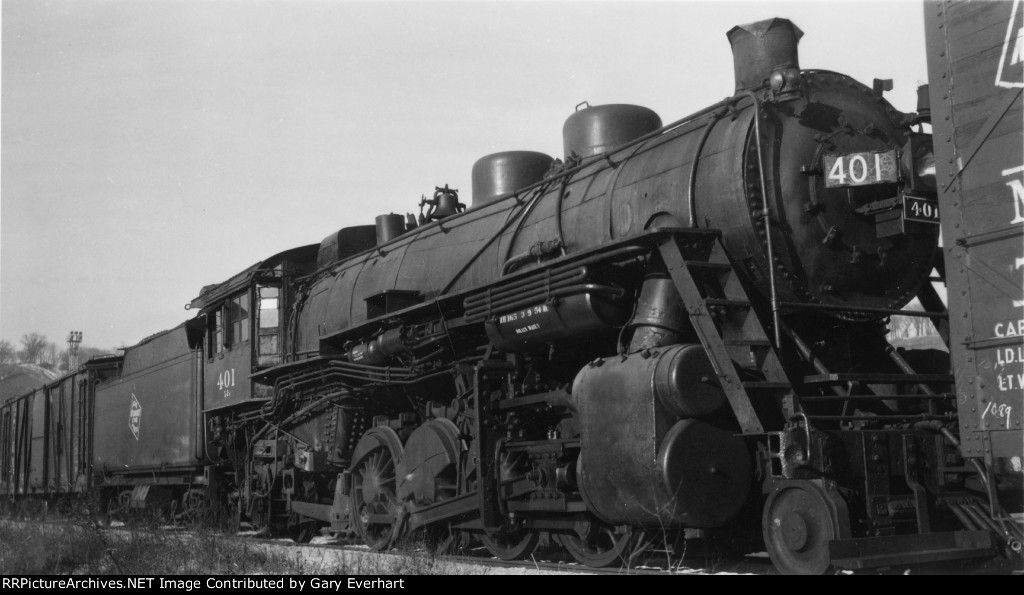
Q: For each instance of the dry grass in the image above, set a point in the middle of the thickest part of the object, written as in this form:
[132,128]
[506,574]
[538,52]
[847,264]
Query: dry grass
[82,548]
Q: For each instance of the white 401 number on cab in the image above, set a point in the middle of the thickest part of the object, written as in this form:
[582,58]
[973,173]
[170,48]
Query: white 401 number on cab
[225,380]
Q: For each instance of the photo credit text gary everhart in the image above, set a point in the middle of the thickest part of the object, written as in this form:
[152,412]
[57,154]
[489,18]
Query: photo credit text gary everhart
[293,584]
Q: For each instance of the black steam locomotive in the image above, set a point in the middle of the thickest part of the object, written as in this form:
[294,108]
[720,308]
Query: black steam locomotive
[673,333]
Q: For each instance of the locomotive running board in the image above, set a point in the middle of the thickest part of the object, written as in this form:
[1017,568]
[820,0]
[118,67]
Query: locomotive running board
[910,550]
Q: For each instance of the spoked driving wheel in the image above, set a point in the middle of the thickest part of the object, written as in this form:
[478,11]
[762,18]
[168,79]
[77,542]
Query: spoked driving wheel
[598,545]
[376,507]
[511,544]
[799,521]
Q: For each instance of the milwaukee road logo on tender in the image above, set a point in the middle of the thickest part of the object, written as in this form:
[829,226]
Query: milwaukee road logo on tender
[135,417]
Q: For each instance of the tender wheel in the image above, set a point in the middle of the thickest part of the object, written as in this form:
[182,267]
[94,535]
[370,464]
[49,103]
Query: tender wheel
[597,545]
[117,507]
[377,509]
[798,523]
[510,545]
[193,504]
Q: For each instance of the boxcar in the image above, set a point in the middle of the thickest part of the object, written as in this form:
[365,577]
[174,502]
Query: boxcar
[46,436]
[976,72]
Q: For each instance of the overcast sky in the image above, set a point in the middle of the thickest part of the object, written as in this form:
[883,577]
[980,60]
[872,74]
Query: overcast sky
[152,147]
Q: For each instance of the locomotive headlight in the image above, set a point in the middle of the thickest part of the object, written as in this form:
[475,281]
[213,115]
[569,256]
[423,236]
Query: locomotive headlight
[919,163]
[785,83]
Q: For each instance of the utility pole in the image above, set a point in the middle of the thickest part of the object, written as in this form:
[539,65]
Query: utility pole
[74,340]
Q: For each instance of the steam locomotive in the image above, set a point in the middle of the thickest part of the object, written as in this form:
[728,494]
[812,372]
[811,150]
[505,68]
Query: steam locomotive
[672,333]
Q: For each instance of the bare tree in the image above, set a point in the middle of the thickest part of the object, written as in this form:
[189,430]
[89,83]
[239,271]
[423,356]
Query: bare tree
[49,357]
[84,353]
[900,327]
[8,355]
[32,347]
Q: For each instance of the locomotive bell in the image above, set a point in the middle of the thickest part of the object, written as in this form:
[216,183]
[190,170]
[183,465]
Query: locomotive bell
[444,204]
[447,203]
[766,51]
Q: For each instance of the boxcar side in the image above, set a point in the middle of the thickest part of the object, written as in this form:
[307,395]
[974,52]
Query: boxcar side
[16,437]
[46,435]
[976,71]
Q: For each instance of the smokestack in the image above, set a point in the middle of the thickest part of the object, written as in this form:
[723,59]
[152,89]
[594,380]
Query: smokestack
[763,48]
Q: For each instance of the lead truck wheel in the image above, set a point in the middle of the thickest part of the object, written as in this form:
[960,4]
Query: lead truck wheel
[798,524]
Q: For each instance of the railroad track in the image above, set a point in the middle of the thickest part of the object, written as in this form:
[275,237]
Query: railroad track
[334,555]
[479,561]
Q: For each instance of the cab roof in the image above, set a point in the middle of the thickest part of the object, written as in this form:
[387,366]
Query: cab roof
[212,294]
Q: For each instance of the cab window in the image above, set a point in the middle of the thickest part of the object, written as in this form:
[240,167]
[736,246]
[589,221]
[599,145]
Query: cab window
[237,316]
[269,327]
[216,331]
[229,325]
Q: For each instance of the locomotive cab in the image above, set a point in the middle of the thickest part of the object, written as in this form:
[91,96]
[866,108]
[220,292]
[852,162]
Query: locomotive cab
[241,326]
[227,321]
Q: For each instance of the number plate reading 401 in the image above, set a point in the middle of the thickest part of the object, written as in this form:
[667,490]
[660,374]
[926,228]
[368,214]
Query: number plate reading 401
[920,210]
[860,169]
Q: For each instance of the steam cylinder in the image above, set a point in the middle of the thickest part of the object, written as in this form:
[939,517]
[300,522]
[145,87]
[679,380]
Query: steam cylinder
[648,453]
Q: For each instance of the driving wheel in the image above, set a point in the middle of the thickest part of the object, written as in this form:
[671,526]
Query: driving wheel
[377,511]
[598,545]
[511,544]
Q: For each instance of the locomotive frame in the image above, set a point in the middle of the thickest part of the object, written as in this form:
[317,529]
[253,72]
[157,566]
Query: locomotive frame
[676,332]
